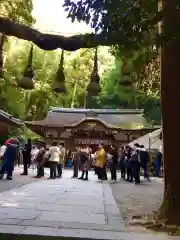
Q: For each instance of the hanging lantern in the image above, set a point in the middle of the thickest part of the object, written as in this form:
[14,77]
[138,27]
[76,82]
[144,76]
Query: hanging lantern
[26,81]
[58,85]
[94,88]
[2,38]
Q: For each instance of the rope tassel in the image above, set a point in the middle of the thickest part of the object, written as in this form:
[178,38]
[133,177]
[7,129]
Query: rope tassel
[94,87]
[26,80]
[58,84]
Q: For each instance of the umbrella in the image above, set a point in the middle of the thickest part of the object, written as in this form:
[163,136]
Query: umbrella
[151,140]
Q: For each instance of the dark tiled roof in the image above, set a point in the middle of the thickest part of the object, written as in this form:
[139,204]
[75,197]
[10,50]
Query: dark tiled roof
[9,119]
[98,111]
[111,118]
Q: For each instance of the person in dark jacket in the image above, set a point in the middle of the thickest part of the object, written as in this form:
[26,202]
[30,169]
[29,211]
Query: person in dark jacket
[128,164]
[29,148]
[113,164]
[121,160]
[135,163]
[9,158]
[158,162]
[25,154]
[40,162]
[76,163]
[85,164]
[144,160]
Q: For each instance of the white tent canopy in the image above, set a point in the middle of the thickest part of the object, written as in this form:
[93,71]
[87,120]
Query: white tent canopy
[151,140]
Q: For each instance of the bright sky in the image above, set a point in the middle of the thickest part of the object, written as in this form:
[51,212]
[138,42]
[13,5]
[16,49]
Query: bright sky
[51,16]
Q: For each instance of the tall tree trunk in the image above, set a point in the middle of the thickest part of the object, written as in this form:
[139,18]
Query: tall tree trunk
[170,100]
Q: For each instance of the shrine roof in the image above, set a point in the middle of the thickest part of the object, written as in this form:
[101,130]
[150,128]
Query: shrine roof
[9,119]
[110,118]
[97,111]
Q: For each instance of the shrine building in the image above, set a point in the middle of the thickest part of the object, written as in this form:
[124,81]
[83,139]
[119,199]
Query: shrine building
[80,127]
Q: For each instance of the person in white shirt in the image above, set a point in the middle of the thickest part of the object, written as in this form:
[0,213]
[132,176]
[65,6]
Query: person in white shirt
[54,155]
[34,153]
[61,159]
[2,151]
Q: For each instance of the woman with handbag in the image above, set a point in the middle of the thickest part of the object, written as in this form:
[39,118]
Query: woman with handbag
[86,163]
[40,160]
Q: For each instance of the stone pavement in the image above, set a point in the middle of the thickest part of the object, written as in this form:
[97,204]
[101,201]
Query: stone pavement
[63,208]
[18,180]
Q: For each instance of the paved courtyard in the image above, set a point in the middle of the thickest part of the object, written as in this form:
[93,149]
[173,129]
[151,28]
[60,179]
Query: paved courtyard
[64,208]
[17,180]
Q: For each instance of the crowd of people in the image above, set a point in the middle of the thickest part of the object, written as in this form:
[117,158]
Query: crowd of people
[41,156]
[129,160]
[37,156]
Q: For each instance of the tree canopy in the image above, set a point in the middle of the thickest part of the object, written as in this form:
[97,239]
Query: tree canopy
[132,20]
[122,22]
[18,11]
[128,24]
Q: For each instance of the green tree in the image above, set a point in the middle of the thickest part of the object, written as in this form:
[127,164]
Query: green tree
[115,95]
[18,10]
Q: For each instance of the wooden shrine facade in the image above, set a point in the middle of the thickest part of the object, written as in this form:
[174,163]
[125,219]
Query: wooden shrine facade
[79,127]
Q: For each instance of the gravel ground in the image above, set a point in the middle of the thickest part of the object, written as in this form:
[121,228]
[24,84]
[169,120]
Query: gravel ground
[138,200]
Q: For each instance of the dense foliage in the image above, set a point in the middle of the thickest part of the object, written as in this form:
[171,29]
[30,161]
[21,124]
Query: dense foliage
[34,104]
[124,22]
[17,10]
